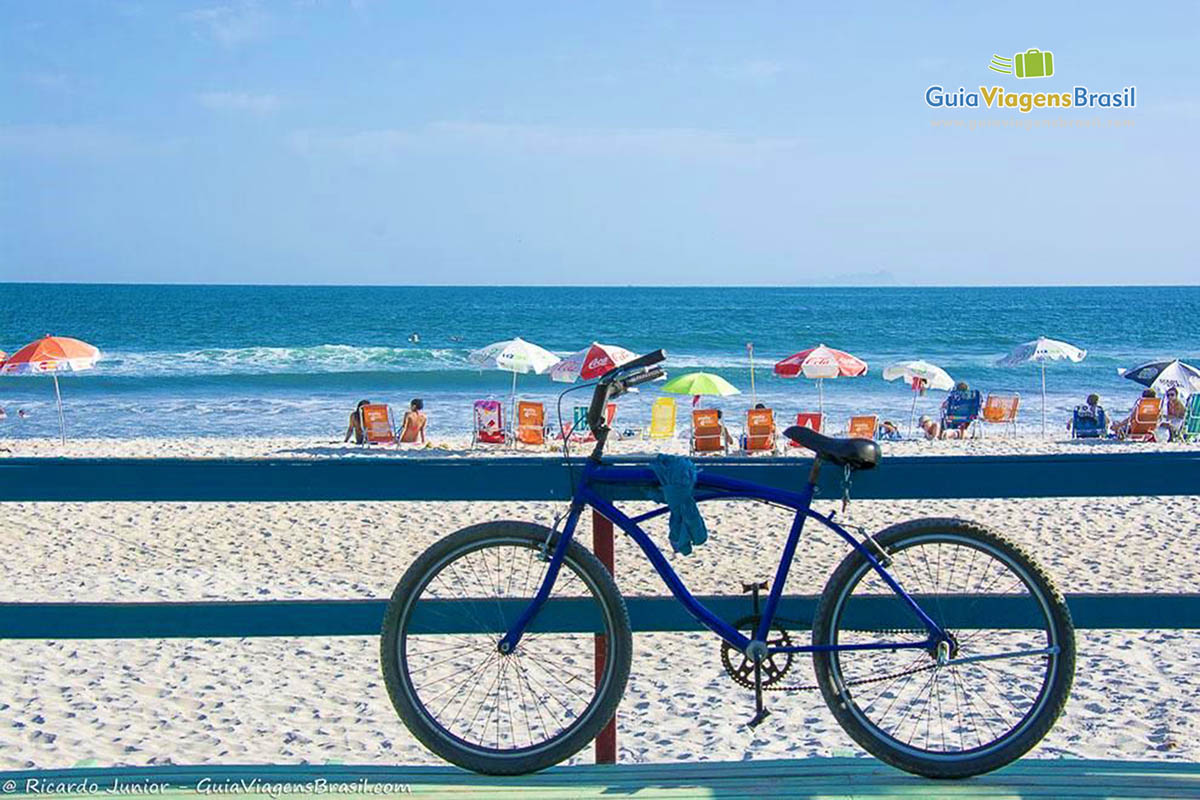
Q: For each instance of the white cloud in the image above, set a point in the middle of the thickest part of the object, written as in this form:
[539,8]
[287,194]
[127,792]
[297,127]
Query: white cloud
[229,25]
[239,101]
[666,143]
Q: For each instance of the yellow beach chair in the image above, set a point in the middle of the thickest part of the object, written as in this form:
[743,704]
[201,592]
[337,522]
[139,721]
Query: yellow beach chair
[662,418]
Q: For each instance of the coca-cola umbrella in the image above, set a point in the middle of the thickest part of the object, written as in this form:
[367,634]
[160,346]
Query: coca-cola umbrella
[52,354]
[820,363]
[590,362]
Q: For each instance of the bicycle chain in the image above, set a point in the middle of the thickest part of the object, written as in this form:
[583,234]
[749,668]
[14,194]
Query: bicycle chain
[861,681]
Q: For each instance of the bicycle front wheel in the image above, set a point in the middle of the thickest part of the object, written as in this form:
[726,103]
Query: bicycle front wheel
[990,695]
[504,713]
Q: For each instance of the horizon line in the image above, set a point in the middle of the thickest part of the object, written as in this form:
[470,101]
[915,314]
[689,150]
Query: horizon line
[610,286]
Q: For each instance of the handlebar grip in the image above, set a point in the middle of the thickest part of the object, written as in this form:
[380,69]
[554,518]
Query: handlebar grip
[645,377]
[649,359]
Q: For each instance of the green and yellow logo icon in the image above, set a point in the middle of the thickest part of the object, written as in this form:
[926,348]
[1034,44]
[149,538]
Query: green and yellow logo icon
[1033,63]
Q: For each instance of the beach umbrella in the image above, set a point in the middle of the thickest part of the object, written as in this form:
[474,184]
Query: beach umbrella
[1163,375]
[921,375]
[753,393]
[52,354]
[819,363]
[590,362]
[516,356]
[1039,351]
[700,383]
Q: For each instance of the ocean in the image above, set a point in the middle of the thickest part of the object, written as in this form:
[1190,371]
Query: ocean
[293,361]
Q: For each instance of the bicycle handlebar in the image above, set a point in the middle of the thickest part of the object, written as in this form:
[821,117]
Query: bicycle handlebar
[616,382]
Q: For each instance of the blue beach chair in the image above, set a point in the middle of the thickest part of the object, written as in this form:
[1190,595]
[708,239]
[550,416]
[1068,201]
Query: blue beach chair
[1089,422]
[960,410]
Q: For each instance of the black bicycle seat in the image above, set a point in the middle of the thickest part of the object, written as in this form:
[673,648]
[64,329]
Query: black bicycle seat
[854,453]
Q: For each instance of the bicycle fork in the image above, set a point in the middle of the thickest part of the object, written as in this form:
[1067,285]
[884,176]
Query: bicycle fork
[513,637]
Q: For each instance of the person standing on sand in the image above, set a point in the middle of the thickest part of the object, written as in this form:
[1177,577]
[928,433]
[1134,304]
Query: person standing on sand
[412,430]
[355,427]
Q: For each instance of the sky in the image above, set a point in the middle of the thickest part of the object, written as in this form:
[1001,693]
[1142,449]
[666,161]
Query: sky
[664,143]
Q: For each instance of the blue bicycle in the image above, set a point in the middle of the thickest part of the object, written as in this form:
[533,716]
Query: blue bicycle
[939,646]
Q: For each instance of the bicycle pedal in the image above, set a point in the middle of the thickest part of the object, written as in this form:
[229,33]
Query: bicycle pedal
[758,718]
[750,587]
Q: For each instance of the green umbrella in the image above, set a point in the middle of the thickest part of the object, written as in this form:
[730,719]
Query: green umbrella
[698,383]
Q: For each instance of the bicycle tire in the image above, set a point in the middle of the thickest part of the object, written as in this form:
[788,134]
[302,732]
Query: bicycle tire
[839,696]
[439,739]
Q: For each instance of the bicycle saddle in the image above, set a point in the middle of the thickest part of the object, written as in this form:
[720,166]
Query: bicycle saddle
[855,453]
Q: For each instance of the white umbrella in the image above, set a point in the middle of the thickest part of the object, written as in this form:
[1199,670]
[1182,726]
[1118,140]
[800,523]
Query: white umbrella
[515,356]
[1163,375]
[1040,351]
[913,370]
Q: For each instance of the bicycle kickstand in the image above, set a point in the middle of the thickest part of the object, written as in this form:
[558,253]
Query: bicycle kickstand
[760,711]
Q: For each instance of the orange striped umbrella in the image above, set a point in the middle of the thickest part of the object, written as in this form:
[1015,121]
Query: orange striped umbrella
[53,354]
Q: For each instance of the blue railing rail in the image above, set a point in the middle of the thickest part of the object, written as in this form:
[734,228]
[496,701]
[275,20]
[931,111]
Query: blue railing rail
[398,476]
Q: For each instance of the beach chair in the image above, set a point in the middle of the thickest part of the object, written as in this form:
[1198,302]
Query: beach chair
[662,418]
[760,432]
[1088,422]
[531,423]
[580,432]
[960,410]
[1145,419]
[807,419]
[1190,431]
[489,423]
[707,434]
[1001,409]
[862,427]
[377,424]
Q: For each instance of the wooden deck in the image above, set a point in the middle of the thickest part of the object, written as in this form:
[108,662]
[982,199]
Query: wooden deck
[828,779]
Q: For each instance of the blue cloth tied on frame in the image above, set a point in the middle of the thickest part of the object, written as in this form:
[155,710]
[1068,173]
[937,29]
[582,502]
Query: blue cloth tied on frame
[677,477]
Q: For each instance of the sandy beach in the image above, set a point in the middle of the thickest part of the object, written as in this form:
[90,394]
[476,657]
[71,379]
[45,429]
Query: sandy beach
[322,699]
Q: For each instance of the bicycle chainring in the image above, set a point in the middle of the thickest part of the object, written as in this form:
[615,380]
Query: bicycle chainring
[740,668]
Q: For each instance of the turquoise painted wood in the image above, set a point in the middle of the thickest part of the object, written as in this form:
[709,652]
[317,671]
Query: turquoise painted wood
[394,477]
[647,614]
[840,778]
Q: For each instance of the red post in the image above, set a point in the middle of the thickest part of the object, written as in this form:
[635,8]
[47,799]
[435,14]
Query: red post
[602,546]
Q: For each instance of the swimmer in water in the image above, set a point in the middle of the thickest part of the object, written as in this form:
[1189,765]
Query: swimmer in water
[414,338]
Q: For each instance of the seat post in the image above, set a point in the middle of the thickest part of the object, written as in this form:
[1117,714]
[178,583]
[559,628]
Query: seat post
[815,472]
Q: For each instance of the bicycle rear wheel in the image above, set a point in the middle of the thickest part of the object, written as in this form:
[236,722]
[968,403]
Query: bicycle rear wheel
[1004,680]
[496,713]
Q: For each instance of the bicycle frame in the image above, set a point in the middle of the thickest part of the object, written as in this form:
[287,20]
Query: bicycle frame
[713,487]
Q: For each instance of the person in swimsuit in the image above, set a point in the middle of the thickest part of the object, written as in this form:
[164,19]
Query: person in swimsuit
[412,429]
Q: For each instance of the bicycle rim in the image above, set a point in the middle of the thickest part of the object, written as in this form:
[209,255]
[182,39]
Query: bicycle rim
[960,711]
[467,692]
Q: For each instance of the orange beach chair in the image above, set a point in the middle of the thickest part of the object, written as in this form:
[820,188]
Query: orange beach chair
[760,431]
[862,427]
[1145,419]
[377,424]
[707,434]
[807,419]
[531,423]
[1001,409]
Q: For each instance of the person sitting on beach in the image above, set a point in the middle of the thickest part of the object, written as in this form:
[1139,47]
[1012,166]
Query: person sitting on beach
[888,432]
[1121,428]
[1174,412]
[1091,410]
[930,427]
[412,429]
[355,427]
